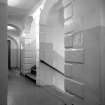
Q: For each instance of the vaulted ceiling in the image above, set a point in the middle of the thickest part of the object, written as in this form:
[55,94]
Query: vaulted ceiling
[19,9]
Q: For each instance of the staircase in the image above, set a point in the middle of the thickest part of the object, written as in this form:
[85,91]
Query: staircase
[32,74]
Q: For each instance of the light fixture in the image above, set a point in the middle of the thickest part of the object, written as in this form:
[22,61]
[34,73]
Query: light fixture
[10,28]
[13,2]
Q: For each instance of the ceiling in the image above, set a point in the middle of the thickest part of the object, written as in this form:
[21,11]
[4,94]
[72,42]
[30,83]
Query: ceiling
[19,9]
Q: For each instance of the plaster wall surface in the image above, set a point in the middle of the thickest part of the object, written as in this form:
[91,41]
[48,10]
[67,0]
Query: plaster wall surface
[52,43]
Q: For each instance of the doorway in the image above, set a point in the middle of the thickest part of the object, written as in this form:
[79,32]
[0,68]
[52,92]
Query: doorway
[9,54]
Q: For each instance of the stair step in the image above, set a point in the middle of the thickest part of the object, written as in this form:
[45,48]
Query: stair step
[31,76]
[34,67]
[33,71]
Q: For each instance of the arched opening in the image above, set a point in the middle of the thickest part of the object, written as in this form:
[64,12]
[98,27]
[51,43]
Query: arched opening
[13,27]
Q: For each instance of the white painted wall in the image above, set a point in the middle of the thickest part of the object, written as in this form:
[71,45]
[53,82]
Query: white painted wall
[52,44]
[52,38]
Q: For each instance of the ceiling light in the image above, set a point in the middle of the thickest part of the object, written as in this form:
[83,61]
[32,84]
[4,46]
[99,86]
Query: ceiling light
[10,28]
[13,2]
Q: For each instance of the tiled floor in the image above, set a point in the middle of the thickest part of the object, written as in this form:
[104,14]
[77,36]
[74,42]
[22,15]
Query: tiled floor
[22,91]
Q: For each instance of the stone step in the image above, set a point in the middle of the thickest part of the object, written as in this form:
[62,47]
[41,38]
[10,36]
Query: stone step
[33,71]
[31,76]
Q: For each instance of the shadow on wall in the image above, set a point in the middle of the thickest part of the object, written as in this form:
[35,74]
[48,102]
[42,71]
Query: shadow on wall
[14,55]
[14,60]
[56,14]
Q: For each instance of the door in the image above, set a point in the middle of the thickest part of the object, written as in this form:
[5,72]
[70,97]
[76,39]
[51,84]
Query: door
[9,54]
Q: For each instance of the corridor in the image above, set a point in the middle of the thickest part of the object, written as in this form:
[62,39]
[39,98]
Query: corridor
[22,91]
[54,50]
